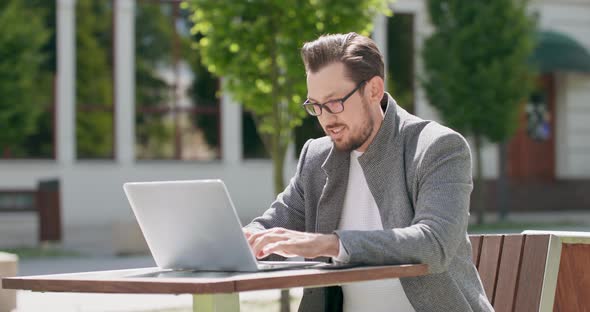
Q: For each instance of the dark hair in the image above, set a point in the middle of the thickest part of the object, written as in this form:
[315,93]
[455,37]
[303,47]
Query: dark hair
[359,54]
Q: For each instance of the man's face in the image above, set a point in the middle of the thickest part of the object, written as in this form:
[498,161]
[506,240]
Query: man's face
[351,128]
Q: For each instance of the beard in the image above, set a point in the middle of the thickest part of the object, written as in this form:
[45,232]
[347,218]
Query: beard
[357,138]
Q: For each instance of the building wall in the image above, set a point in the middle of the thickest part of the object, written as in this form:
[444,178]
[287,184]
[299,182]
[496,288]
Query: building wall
[92,198]
[91,191]
[573,90]
[93,201]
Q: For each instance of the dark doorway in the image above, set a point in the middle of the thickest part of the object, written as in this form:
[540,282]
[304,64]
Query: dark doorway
[531,153]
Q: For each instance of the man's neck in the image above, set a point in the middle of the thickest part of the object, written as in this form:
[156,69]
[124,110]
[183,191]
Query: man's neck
[378,119]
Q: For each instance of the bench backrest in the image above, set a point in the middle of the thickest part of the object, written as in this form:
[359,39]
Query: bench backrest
[518,272]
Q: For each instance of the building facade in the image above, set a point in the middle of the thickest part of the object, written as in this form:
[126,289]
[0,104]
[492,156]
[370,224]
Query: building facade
[92,199]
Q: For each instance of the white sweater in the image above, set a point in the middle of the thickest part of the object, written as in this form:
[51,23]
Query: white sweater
[360,212]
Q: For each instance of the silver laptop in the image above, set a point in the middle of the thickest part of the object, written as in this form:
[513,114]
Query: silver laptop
[193,225]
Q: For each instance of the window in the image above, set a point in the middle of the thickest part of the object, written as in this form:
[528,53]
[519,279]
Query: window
[538,116]
[177,108]
[17,201]
[309,129]
[253,147]
[27,75]
[94,80]
[400,59]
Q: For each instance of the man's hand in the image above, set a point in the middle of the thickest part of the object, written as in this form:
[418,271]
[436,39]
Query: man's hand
[288,243]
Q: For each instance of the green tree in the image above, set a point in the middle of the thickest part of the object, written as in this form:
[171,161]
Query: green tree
[254,46]
[22,38]
[40,143]
[153,45]
[94,84]
[476,69]
[163,38]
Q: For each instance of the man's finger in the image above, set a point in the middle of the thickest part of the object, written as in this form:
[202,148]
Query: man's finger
[282,248]
[254,236]
[264,240]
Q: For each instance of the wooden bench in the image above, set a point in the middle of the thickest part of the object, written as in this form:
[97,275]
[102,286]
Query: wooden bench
[573,282]
[534,271]
[44,202]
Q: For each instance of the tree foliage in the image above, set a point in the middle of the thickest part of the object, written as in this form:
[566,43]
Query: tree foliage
[153,45]
[23,83]
[476,64]
[477,73]
[163,39]
[254,46]
[94,83]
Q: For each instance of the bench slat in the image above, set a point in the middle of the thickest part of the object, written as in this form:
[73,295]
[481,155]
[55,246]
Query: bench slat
[508,273]
[530,281]
[572,281]
[475,248]
[488,262]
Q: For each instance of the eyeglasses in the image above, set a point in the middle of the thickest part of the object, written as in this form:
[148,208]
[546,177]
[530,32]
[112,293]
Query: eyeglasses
[333,106]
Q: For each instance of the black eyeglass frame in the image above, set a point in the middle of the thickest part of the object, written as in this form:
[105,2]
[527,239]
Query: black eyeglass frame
[310,107]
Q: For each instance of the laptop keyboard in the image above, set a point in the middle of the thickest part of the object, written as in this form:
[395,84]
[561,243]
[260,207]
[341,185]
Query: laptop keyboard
[277,265]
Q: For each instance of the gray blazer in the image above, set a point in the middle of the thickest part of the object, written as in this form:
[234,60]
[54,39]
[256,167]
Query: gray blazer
[419,173]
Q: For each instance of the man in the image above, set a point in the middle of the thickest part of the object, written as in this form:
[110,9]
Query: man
[383,187]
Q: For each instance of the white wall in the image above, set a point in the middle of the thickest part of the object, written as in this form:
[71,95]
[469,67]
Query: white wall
[92,194]
[573,151]
[573,90]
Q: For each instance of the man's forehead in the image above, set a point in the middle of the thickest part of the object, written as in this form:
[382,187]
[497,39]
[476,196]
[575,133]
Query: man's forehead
[327,82]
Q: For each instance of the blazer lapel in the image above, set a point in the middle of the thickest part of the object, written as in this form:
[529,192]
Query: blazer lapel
[384,168]
[378,161]
[331,202]
[379,158]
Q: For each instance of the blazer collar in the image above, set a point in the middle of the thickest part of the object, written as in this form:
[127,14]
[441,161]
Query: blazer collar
[387,132]
[336,167]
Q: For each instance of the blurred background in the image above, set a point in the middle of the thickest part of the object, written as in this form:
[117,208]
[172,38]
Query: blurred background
[95,93]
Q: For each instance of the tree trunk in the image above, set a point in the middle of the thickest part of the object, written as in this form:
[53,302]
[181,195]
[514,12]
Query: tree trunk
[278,161]
[277,150]
[479,185]
[502,185]
[278,146]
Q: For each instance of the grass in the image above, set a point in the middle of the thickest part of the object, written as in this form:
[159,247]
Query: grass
[516,227]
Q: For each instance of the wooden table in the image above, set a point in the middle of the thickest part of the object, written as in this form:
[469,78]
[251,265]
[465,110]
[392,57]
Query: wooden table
[212,291]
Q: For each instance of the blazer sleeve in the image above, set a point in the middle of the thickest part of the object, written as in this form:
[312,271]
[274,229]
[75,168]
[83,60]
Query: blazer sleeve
[288,209]
[444,185]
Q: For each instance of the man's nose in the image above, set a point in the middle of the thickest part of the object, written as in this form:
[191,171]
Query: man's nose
[327,117]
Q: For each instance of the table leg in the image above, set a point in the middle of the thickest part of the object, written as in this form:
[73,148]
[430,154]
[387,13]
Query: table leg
[216,302]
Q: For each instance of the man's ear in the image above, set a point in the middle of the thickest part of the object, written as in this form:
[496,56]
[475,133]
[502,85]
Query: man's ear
[376,88]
